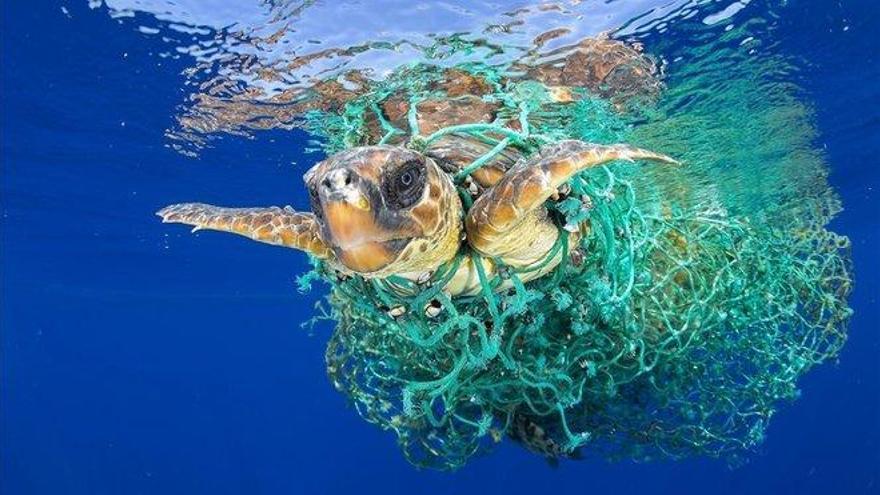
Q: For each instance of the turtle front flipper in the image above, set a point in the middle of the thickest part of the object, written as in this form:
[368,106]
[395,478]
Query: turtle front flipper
[272,225]
[508,220]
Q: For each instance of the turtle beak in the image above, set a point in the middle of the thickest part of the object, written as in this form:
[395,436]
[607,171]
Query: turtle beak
[346,208]
[357,240]
[350,225]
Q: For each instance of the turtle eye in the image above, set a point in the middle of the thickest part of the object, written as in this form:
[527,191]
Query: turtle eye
[404,186]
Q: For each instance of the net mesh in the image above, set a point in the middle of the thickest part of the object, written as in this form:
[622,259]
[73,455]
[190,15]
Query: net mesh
[673,328]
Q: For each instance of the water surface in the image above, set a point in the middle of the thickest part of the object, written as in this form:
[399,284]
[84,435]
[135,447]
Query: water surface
[137,358]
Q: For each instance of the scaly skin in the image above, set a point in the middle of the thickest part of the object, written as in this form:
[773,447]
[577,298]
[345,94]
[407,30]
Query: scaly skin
[355,229]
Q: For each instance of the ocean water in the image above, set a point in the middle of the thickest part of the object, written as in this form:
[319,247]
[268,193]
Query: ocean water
[137,358]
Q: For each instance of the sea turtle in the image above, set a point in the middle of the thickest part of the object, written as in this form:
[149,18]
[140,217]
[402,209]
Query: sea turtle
[390,209]
[384,210]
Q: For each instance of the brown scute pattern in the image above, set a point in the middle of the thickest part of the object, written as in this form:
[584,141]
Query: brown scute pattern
[395,108]
[609,68]
[456,82]
[273,225]
[331,96]
[433,114]
[436,114]
[453,152]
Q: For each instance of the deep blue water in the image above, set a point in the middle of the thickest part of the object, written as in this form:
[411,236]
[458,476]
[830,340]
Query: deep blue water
[139,359]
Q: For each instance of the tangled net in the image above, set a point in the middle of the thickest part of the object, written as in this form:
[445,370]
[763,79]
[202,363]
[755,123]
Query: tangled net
[673,329]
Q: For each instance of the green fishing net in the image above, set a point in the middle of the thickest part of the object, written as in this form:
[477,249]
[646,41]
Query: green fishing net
[675,328]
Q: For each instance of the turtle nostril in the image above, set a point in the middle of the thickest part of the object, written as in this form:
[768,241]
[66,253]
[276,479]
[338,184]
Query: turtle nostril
[338,179]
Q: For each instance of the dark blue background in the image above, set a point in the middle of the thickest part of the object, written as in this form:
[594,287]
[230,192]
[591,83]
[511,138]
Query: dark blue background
[139,359]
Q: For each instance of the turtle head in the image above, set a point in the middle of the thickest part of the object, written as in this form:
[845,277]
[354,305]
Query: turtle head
[385,210]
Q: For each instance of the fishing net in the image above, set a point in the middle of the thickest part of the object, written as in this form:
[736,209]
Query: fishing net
[674,328]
